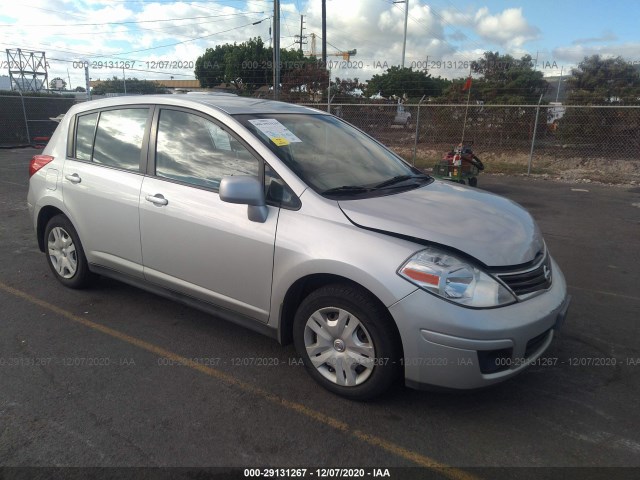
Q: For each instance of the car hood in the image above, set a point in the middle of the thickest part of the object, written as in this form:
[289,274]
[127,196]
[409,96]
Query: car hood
[490,228]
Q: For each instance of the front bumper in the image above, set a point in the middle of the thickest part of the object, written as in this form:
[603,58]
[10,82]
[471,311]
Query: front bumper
[449,346]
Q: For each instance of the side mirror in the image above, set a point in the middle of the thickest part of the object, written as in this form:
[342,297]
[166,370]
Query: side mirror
[245,190]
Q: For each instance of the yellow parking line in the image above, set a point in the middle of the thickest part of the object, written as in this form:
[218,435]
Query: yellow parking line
[372,440]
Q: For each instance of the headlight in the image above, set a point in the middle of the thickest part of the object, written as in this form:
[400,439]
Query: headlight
[454,279]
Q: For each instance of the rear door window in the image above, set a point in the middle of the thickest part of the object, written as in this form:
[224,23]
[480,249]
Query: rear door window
[119,137]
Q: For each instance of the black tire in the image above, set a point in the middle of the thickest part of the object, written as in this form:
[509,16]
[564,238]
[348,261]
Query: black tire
[473,182]
[461,181]
[78,277]
[378,332]
[479,165]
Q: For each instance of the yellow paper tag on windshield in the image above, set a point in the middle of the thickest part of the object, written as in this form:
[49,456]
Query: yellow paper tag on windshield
[279,141]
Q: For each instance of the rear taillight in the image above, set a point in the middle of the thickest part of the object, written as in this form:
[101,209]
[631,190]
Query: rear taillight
[37,162]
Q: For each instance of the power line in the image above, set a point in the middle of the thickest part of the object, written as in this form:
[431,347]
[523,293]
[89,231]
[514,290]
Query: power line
[117,56]
[191,1]
[111,32]
[130,69]
[124,23]
[194,39]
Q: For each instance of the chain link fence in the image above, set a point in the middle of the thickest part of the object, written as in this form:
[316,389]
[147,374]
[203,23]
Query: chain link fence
[26,120]
[528,134]
[590,143]
[571,131]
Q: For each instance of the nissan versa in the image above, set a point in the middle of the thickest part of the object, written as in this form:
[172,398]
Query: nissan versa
[292,222]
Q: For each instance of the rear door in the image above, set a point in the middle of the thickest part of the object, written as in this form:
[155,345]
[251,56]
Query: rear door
[101,184]
[192,242]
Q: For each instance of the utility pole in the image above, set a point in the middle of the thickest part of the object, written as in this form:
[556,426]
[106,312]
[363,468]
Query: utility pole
[559,83]
[87,80]
[124,80]
[276,49]
[406,17]
[324,33]
[301,37]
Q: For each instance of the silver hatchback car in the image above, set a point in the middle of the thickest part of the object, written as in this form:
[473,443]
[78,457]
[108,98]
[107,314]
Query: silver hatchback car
[292,222]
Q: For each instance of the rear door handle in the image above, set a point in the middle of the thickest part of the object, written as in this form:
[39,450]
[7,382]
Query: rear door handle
[73,178]
[157,199]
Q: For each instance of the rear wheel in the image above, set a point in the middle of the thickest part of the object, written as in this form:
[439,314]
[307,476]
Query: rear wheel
[65,255]
[473,182]
[347,341]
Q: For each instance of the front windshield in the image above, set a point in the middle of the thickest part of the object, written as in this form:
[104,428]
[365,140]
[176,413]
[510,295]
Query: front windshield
[330,155]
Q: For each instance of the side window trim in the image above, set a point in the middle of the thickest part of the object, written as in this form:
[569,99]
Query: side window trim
[71,137]
[93,140]
[150,164]
[144,152]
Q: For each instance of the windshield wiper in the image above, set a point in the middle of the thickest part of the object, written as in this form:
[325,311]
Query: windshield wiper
[398,179]
[346,189]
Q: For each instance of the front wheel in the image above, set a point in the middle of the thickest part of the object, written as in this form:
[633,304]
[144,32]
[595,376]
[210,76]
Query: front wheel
[65,255]
[347,341]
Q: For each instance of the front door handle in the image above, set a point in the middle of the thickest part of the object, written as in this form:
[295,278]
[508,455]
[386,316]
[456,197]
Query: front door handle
[73,178]
[157,199]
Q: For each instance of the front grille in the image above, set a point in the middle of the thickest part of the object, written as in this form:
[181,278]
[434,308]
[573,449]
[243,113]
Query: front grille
[526,282]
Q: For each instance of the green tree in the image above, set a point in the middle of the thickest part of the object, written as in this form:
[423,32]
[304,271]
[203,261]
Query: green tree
[210,67]
[598,81]
[498,80]
[401,82]
[503,80]
[346,90]
[116,85]
[247,66]
[603,131]
[55,82]
[307,83]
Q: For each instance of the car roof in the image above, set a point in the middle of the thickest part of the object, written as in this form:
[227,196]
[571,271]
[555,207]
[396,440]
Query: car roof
[228,103]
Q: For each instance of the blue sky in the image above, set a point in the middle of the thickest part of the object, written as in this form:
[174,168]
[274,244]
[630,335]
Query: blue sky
[442,34]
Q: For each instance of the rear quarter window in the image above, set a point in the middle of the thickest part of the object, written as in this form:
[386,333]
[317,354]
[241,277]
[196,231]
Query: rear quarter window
[84,135]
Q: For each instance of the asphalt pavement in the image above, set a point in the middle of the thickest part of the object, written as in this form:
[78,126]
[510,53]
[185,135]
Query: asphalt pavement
[115,376]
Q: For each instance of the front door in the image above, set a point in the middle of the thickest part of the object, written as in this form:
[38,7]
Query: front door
[192,242]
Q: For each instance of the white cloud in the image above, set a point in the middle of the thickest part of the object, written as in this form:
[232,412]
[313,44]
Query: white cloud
[630,51]
[607,36]
[374,28]
[508,28]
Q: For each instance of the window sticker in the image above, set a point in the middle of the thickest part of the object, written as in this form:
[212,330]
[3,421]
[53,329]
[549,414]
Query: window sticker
[275,131]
